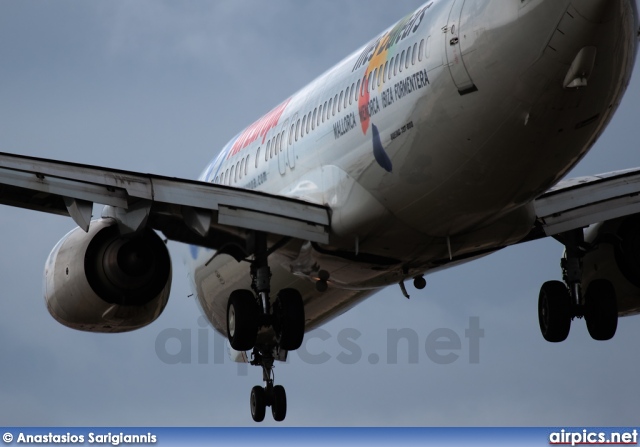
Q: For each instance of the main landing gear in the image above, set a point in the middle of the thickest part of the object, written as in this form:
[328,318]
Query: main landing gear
[560,302]
[249,311]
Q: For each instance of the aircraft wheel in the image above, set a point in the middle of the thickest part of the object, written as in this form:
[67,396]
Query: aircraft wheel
[290,319]
[258,403]
[279,405]
[601,310]
[242,320]
[554,311]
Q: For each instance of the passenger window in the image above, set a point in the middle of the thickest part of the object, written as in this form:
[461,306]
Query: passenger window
[401,61]
[329,108]
[221,178]
[283,141]
[380,75]
[246,167]
[340,101]
[386,71]
[408,60]
[357,92]
[374,77]
[320,115]
[335,103]
[257,157]
[420,50]
[313,122]
[326,113]
[353,93]
[308,122]
[276,149]
[346,98]
[297,129]
[267,150]
[364,85]
[242,166]
[304,121]
[395,65]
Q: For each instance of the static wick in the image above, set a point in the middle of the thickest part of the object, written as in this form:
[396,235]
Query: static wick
[449,247]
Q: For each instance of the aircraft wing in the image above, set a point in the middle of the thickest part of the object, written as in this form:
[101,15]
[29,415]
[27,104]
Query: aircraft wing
[582,201]
[188,211]
[209,215]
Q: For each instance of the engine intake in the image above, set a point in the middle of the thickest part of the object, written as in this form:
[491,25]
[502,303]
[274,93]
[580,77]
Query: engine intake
[102,281]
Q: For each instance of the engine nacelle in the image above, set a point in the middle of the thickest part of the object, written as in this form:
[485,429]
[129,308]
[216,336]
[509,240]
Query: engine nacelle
[102,281]
[616,257]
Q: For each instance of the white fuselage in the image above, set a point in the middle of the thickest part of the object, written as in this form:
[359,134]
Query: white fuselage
[428,144]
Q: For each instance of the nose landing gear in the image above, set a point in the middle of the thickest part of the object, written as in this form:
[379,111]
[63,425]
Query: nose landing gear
[271,395]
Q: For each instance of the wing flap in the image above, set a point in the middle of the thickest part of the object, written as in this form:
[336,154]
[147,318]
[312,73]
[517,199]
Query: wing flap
[580,202]
[71,189]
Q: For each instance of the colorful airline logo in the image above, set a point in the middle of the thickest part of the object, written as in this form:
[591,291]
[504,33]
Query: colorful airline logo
[376,55]
[258,129]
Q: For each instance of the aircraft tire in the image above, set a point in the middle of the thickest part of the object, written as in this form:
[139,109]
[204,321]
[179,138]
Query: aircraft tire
[279,405]
[290,319]
[258,403]
[242,320]
[554,311]
[601,310]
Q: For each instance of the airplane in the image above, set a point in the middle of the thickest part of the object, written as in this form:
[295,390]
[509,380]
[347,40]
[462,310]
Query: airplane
[440,141]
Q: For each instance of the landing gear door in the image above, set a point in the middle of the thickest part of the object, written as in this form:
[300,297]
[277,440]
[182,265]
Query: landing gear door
[282,146]
[455,63]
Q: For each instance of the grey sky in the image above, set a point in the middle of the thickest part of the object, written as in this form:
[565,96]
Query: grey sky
[160,87]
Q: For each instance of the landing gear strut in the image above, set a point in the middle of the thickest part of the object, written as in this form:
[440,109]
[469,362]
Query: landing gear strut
[250,311]
[560,302]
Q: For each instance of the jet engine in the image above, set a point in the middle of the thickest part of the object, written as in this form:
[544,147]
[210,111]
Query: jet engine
[615,256]
[102,281]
